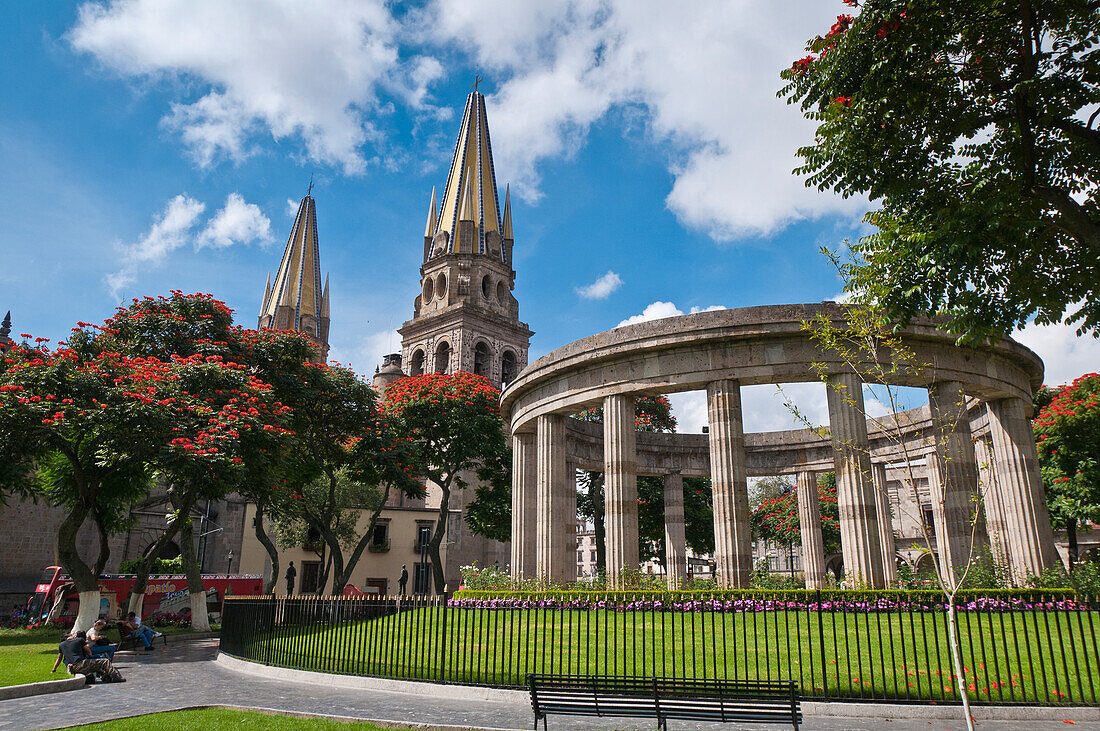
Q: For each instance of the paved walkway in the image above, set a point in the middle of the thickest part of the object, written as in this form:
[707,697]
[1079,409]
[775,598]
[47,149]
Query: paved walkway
[186,675]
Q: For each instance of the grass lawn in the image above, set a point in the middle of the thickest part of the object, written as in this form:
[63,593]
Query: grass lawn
[26,656]
[209,718]
[1025,656]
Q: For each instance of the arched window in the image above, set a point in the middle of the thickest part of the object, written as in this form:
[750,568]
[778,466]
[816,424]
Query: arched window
[443,357]
[486,286]
[417,365]
[481,360]
[507,367]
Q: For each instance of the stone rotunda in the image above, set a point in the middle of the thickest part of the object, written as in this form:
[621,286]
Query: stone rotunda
[972,443]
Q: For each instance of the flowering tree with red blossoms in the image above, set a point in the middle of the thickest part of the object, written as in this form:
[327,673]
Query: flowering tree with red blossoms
[776,519]
[98,424]
[455,424]
[1067,433]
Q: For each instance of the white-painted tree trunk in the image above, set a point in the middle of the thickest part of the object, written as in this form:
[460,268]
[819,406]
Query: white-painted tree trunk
[200,620]
[137,601]
[88,611]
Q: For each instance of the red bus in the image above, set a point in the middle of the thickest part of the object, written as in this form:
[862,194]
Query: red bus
[163,593]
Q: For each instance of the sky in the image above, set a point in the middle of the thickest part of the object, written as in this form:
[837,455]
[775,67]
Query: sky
[152,145]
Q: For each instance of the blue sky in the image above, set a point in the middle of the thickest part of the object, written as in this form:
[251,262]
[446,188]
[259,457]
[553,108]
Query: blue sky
[155,146]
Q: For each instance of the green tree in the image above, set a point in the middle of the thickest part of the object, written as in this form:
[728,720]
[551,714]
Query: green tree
[973,127]
[455,425]
[348,458]
[1067,433]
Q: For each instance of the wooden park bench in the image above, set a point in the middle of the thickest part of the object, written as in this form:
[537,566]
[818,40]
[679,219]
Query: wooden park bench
[743,701]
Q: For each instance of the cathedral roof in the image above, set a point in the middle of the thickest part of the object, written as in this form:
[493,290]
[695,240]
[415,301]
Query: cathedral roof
[471,190]
[297,284]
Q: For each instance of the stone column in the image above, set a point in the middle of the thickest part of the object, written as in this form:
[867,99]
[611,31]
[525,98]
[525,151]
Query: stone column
[809,526]
[732,538]
[885,512]
[569,523]
[675,540]
[551,487]
[620,485]
[996,524]
[953,479]
[524,509]
[1017,480]
[859,532]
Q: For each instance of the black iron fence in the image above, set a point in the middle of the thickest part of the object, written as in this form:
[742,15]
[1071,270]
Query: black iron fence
[1016,647]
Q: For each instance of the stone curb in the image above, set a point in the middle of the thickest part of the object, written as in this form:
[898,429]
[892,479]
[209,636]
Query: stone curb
[385,723]
[810,709]
[25,690]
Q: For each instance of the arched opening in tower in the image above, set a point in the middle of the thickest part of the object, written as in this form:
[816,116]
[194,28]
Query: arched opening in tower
[443,357]
[417,365]
[481,360]
[507,367]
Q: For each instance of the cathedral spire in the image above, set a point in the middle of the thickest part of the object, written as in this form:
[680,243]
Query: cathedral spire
[429,229]
[472,180]
[507,226]
[295,299]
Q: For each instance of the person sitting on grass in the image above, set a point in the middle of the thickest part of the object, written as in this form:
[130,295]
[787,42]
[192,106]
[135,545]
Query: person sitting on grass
[137,629]
[79,661]
[98,642]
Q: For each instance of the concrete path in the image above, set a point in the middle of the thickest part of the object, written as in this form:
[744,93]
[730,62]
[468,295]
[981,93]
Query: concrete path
[186,675]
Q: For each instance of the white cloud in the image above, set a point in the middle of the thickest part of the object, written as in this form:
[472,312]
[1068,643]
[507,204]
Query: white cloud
[658,310]
[602,287]
[292,207]
[706,81]
[1065,355]
[237,222]
[368,352]
[304,70]
[653,311]
[169,232]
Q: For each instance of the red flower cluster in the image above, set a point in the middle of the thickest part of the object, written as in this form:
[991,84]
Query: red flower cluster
[459,388]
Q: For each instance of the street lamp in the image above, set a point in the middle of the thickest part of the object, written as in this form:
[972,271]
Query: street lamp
[229,565]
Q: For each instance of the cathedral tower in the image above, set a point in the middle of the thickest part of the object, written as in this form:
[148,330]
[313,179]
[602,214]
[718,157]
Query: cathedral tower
[296,300]
[465,317]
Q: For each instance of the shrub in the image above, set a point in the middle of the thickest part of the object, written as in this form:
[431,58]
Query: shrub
[161,566]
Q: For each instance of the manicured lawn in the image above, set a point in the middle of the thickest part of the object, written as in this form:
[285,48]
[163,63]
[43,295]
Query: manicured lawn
[211,718]
[26,656]
[1023,656]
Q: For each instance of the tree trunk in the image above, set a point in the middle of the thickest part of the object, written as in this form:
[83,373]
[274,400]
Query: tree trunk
[269,546]
[1073,551]
[200,620]
[956,658]
[595,494]
[84,580]
[438,576]
[137,591]
[343,577]
[104,548]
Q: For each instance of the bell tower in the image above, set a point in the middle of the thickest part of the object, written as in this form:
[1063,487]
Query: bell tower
[465,317]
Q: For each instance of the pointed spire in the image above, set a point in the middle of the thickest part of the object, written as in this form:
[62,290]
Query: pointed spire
[267,293]
[507,227]
[296,290]
[433,220]
[468,211]
[324,299]
[471,190]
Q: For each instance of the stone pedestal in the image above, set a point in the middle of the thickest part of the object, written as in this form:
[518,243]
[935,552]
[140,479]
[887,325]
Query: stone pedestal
[551,501]
[953,479]
[675,539]
[524,508]
[1016,478]
[620,486]
[859,531]
[809,526]
[885,512]
[732,538]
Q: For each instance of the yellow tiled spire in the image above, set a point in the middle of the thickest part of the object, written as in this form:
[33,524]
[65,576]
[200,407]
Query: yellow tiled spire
[294,300]
[429,229]
[507,226]
[472,181]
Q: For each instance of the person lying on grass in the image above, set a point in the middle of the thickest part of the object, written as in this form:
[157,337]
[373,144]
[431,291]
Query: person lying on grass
[79,661]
